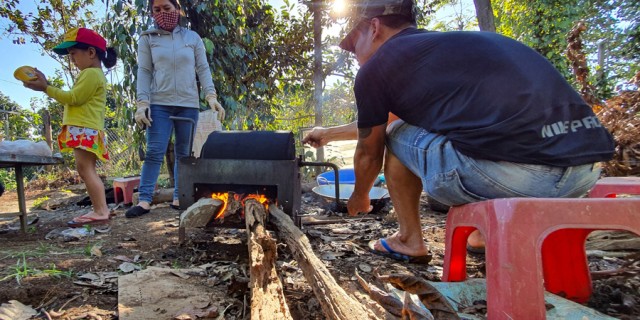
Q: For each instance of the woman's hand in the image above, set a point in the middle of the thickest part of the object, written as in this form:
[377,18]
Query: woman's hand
[212,100]
[143,115]
[39,84]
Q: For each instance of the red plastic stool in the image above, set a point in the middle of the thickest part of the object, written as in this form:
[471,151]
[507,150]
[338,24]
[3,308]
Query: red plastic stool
[124,187]
[528,240]
[609,187]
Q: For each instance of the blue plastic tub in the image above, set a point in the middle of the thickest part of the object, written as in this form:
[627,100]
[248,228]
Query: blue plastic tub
[347,176]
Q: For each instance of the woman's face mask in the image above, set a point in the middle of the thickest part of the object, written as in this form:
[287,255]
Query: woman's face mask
[167,20]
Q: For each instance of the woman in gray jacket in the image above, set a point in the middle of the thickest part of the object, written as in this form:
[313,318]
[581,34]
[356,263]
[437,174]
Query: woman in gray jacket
[169,58]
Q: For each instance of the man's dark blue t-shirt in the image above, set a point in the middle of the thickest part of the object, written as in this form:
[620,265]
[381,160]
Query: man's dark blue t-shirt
[492,96]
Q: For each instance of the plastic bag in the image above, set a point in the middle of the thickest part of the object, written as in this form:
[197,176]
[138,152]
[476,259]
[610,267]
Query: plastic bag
[25,147]
[207,123]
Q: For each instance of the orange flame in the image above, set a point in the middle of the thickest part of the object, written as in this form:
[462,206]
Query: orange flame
[259,197]
[224,197]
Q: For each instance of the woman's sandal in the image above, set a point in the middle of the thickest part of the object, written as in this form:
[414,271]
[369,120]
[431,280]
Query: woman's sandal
[82,221]
[136,211]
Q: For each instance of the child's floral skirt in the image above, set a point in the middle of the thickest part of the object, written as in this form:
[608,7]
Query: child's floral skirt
[92,140]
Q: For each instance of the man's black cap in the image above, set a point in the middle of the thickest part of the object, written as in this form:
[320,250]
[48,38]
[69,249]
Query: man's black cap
[369,9]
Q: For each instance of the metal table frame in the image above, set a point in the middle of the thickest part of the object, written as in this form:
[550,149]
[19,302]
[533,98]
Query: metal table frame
[18,162]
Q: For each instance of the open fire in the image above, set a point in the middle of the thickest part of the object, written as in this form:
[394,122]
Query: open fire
[234,201]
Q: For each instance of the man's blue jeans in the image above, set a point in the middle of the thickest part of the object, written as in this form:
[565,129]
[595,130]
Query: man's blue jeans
[453,178]
[158,136]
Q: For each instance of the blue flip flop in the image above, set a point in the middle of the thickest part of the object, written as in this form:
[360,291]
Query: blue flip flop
[390,253]
[476,250]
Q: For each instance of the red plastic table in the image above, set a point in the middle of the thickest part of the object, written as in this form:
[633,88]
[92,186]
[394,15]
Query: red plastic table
[17,162]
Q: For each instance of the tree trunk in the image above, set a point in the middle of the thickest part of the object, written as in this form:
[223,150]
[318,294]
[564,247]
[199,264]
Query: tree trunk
[335,302]
[46,131]
[485,15]
[46,123]
[267,297]
[317,70]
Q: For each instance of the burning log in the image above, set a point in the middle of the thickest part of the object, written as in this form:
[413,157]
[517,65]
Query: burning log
[198,215]
[335,302]
[267,297]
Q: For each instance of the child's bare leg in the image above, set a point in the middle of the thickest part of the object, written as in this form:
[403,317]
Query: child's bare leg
[86,166]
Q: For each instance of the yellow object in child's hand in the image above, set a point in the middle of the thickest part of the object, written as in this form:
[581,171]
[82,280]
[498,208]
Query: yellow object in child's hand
[25,73]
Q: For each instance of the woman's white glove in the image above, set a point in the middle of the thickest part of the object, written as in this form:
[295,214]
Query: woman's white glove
[212,100]
[143,115]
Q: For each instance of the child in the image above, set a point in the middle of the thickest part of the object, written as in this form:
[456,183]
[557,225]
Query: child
[84,111]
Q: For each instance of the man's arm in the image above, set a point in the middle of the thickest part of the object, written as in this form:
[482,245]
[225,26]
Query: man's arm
[367,164]
[320,136]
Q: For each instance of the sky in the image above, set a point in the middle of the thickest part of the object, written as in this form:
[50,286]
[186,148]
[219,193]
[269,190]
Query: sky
[13,56]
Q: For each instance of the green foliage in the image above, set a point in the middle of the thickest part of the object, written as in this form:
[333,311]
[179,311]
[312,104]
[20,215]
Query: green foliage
[614,26]
[249,51]
[459,17]
[17,122]
[8,178]
[164,181]
[43,249]
[124,22]
[544,24]
[47,24]
[22,270]
[53,271]
[19,271]
[87,247]
[123,152]
[541,24]
[39,201]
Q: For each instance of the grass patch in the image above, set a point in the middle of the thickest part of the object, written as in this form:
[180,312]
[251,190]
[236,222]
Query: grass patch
[23,270]
[38,202]
[43,249]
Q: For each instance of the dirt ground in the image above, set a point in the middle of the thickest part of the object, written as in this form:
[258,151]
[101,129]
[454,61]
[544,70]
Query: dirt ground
[71,277]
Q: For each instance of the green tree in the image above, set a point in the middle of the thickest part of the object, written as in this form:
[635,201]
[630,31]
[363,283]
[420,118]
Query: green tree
[612,42]
[47,23]
[17,123]
[541,24]
[250,52]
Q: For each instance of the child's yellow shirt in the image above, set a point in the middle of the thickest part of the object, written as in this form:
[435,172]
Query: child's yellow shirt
[85,103]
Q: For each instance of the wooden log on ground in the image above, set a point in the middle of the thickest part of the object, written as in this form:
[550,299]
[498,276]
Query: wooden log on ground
[159,196]
[318,220]
[267,296]
[335,302]
[612,241]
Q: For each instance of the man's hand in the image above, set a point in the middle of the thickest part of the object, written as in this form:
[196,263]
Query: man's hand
[143,115]
[359,204]
[39,84]
[212,100]
[316,137]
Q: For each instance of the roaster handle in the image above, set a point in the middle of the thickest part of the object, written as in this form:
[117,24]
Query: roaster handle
[335,171]
[193,128]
